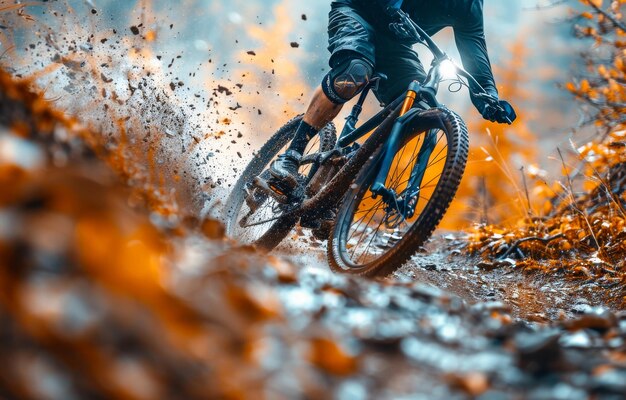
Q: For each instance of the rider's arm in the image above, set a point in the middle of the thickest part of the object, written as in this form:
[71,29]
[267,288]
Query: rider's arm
[469,34]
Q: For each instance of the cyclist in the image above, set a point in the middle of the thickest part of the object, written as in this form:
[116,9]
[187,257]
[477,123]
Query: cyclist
[367,36]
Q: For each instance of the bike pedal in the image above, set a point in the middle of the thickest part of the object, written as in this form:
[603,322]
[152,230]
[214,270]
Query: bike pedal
[265,187]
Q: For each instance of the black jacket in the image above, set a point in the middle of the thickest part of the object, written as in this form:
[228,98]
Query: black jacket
[464,16]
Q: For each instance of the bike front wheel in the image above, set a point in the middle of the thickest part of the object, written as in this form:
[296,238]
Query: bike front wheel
[371,237]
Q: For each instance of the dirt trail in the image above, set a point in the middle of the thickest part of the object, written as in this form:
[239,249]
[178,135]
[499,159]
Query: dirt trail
[531,297]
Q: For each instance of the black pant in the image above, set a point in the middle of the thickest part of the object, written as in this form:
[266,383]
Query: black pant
[351,33]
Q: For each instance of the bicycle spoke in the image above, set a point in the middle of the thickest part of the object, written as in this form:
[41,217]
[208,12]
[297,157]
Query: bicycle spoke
[369,209]
[356,246]
[360,221]
[423,186]
[372,239]
[440,151]
[400,157]
[429,165]
[362,233]
[430,181]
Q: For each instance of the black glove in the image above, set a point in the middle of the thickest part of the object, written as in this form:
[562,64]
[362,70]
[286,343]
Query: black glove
[501,112]
[402,26]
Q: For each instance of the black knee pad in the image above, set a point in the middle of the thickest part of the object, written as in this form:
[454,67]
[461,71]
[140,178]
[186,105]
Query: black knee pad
[347,79]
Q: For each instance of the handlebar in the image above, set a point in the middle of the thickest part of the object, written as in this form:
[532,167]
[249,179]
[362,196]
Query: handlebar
[439,56]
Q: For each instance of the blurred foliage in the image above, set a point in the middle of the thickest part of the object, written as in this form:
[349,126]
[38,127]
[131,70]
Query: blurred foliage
[492,190]
[583,231]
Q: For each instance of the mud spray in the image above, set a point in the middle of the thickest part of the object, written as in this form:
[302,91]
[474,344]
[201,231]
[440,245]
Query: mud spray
[180,121]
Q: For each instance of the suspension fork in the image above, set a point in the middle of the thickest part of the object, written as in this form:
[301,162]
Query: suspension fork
[393,143]
[410,195]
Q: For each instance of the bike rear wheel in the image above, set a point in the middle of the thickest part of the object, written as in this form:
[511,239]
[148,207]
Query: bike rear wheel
[266,227]
[371,238]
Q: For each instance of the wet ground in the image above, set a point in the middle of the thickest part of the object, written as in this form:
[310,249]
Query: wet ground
[549,325]
[445,264]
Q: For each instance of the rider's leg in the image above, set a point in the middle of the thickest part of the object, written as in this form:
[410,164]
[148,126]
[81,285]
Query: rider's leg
[349,75]
[320,112]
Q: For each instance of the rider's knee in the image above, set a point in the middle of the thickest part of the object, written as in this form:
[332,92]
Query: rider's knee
[347,79]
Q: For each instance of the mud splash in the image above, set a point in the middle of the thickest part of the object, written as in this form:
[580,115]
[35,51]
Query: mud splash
[167,111]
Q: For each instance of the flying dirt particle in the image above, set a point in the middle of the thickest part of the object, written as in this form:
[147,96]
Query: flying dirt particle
[169,133]
[251,52]
[259,111]
[105,79]
[172,86]
[304,17]
[103,41]
[235,108]
[134,30]
[159,58]
[295,45]
[171,26]
[224,89]
[94,11]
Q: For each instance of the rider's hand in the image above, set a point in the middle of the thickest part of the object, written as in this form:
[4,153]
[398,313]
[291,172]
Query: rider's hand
[504,113]
[402,27]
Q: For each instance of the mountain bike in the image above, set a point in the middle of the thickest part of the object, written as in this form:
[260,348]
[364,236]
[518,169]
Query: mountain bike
[377,202]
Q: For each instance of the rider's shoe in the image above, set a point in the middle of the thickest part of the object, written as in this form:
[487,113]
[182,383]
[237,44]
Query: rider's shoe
[284,170]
